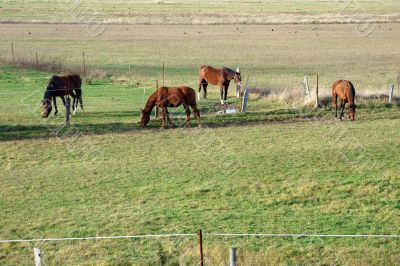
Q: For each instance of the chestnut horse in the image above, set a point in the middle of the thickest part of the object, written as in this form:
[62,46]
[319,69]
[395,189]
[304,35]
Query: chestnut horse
[345,90]
[62,86]
[221,77]
[166,97]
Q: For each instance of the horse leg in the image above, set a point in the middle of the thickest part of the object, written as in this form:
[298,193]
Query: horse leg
[55,105]
[196,115]
[226,91]
[79,94]
[342,105]
[71,92]
[222,94]
[205,84]
[198,94]
[169,119]
[163,118]
[335,104]
[63,99]
[73,105]
[187,110]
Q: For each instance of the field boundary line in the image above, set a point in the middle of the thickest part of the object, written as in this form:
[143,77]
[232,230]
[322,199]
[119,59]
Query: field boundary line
[93,238]
[305,235]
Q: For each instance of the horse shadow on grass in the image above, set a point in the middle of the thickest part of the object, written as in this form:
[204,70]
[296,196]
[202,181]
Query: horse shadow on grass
[46,131]
[51,130]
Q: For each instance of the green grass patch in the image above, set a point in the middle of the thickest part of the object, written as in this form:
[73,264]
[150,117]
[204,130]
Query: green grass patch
[276,169]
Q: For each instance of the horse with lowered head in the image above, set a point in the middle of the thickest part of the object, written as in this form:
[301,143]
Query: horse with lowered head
[344,89]
[221,77]
[62,86]
[165,97]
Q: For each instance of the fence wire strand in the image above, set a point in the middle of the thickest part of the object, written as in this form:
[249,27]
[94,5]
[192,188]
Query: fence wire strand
[191,235]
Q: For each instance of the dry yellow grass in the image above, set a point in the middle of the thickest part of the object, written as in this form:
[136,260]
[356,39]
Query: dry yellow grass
[277,56]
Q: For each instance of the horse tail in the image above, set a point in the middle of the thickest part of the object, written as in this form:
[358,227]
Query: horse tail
[76,82]
[352,95]
[78,92]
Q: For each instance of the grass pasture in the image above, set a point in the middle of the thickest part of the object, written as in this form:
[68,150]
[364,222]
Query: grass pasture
[240,173]
[282,167]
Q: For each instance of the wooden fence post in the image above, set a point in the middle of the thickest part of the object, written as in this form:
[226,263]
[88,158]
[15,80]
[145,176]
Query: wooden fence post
[162,260]
[391,92]
[200,235]
[232,257]
[306,88]
[84,63]
[316,92]
[156,108]
[38,256]
[244,101]
[68,107]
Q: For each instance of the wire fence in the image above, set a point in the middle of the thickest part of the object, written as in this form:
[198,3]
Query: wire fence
[49,254]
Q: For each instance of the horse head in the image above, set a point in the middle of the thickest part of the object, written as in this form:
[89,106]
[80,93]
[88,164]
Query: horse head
[145,118]
[238,79]
[46,103]
[352,112]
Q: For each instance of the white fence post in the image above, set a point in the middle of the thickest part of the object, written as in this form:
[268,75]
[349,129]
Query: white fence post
[307,88]
[232,257]
[391,91]
[244,102]
[38,256]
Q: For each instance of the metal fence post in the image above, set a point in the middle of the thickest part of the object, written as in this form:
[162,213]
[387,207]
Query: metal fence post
[391,91]
[307,88]
[38,256]
[244,102]
[232,257]
[68,107]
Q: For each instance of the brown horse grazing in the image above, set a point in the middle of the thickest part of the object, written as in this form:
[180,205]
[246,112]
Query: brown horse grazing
[62,86]
[171,97]
[220,77]
[345,90]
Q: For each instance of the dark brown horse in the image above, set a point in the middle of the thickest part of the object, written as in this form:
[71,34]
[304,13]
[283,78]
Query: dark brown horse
[61,87]
[344,89]
[221,77]
[166,97]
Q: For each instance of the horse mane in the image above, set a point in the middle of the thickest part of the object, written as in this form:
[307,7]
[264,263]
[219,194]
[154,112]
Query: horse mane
[151,102]
[353,95]
[48,94]
[228,69]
